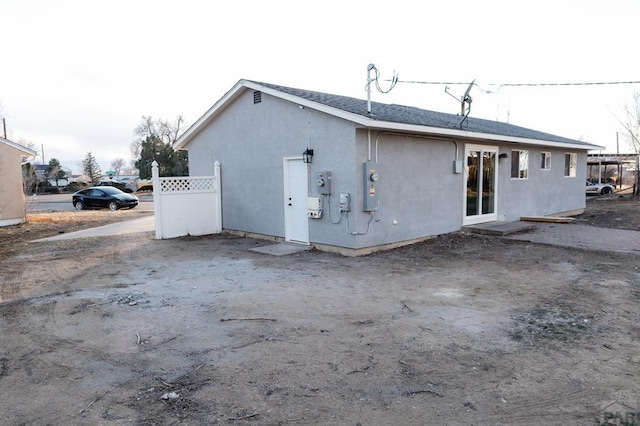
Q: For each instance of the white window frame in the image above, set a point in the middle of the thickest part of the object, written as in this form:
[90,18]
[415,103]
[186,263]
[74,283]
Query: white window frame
[522,157]
[545,160]
[570,164]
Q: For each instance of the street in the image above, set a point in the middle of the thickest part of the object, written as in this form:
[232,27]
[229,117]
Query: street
[62,202]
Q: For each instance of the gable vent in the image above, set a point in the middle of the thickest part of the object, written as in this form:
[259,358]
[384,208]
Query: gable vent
[257,97]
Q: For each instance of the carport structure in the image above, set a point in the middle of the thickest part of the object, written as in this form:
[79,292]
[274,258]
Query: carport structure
[599,168]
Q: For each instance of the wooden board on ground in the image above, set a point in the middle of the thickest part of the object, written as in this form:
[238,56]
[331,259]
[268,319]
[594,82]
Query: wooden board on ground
[552,219]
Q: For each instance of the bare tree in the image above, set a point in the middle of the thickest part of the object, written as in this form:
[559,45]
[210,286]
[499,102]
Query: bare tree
[117,165]
[631,122]
[631,125]
[29,179]
[29,144]
[130,169]
[3,124]
[167,132]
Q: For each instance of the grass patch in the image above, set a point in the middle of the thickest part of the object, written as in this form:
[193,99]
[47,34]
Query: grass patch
[551,323]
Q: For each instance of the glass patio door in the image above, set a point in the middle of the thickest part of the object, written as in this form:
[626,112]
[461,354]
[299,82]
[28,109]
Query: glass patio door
[480,184]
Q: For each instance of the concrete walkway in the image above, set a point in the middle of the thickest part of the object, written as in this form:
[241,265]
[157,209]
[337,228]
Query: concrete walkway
[581,236]
[142,224]
[562,234]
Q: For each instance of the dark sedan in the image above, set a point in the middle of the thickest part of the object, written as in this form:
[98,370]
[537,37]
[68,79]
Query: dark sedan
[103,197]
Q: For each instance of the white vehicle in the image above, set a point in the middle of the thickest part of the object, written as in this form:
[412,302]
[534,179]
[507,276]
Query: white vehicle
[145,185]
[599,188]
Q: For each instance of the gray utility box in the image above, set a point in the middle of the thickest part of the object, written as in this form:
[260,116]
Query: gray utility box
[370,190]
[323,182]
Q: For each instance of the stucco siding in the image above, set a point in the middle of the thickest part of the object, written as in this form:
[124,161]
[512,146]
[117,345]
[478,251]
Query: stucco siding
[250,141]
[12,200]
[544,192]
[419,194]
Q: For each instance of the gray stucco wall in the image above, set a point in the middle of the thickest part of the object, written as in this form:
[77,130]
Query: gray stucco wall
[250,141]
[419,194]
[544,192]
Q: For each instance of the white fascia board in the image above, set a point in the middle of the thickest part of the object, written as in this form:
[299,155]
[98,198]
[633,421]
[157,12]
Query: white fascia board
[413,128]
[363,121]
[208,116]
[235,91]
[22,149]
[453,133]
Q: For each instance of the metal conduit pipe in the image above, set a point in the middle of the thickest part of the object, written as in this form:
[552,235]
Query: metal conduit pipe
[455,142]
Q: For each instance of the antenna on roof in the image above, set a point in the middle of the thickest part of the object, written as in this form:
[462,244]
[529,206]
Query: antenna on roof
[465,101]
[368,86]
[371,67]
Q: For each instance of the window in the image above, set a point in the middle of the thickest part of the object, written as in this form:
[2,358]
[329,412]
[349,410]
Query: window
[519,164]
[570,163]
[545,160]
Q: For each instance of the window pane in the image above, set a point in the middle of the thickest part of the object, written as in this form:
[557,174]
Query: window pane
[572,165]
[519,164]
[545,160]
[488,179]
[515,164]
[473,183]
[524,164]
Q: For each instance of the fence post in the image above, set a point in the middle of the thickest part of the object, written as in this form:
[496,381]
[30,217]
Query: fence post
[216,173]
[155,179]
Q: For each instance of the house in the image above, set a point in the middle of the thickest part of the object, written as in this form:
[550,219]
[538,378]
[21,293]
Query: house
[40,171]
[380,175]
[12,199]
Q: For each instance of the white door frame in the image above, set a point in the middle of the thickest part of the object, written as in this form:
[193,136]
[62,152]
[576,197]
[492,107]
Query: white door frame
[480,218]
[296,222]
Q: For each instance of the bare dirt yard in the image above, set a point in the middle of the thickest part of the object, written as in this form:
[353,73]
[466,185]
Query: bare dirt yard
[460,329]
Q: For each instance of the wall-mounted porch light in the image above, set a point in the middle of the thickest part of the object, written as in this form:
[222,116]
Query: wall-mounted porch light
[307,156]
[503,155]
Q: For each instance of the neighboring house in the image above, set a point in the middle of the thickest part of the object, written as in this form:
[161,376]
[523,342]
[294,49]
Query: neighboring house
[80,179]
[12,199]
[41,171]
[392,176]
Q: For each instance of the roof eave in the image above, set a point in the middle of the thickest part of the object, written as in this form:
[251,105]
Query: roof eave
[363,121]
[208,116]
[23,149]
[455,134]
[413,128]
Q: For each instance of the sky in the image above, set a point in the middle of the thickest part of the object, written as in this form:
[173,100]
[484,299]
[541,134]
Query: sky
[77,76]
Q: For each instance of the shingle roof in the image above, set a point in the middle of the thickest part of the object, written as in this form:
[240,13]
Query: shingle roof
[421,117]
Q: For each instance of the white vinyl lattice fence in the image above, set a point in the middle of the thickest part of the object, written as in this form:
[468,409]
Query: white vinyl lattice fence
[187,205]
[187,184]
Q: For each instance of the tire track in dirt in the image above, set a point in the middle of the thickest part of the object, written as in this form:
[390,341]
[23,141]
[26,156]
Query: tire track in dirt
[10,286]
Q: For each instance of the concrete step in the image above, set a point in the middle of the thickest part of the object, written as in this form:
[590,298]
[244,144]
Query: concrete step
[498,228]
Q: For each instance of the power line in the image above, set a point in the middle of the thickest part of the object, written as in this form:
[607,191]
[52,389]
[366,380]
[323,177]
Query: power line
[589,83]
[592,83]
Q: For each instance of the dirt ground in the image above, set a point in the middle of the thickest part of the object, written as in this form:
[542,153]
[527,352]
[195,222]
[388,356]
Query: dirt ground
[460,329]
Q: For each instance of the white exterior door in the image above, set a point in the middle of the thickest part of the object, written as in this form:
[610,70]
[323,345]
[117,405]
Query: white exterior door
[296,225]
